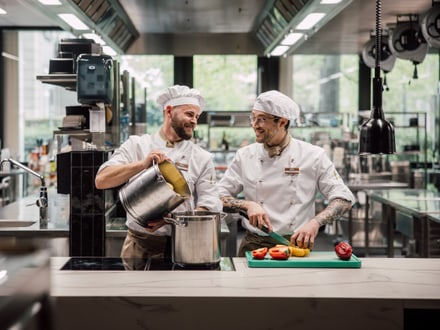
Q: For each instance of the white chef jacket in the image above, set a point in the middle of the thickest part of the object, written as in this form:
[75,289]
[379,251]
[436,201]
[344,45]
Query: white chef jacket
[286,186]
[200,175]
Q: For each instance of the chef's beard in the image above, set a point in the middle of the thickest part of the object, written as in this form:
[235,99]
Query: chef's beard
[179,128]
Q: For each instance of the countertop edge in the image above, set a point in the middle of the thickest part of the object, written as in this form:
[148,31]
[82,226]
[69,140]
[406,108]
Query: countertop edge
[409,280]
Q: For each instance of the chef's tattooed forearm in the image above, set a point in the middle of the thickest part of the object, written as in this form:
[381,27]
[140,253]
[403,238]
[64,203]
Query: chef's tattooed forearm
[233,203]
[335,209]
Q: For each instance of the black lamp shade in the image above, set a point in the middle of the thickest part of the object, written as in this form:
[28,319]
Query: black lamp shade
[376,134]
[377,137]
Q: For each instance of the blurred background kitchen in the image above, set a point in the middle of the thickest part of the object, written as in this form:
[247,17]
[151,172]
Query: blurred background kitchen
[231,51]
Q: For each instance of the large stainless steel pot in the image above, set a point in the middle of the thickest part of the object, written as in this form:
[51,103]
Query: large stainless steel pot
[196,237]
[154,193]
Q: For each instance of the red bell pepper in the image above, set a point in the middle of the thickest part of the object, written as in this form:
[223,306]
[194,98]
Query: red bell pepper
[279,252]
[259,253]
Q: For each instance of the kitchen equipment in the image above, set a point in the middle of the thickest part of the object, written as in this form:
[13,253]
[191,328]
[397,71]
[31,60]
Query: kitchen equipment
[195,237]
[316,259]
[80,110]
[94,82]
[73,121]
[401,171]
[155,192]
[73,48]
[61,66]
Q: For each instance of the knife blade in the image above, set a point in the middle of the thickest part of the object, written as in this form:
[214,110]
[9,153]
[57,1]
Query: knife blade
[275,236]
[265,229]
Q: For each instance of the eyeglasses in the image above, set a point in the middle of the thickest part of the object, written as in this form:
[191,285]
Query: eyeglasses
[260,120]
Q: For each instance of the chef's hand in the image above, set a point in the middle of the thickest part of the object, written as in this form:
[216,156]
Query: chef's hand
[257,215]
[304,237]
[155,155]
[154,225]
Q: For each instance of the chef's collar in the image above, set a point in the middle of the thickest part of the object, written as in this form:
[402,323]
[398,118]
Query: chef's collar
[278,149]
[168,144]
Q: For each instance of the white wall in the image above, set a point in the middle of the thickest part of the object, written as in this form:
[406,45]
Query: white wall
[11,103]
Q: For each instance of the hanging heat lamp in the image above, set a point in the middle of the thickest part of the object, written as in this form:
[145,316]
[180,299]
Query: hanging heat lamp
[407,41]
[377,134]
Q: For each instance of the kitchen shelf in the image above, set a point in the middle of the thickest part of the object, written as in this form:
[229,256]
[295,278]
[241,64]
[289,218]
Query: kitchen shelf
[321,127]
[220,123]
[228,118]
[68,81]
[414,126]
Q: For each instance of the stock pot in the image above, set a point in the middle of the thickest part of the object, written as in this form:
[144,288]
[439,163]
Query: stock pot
[196,237]
[154,192]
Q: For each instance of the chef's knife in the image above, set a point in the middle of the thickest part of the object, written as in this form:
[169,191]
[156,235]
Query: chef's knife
[275,236]
[265,229]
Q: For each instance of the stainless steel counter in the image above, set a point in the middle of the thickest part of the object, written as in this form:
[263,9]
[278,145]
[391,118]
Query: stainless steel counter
[26,210]
[415,213]
[358,186]
[57,231]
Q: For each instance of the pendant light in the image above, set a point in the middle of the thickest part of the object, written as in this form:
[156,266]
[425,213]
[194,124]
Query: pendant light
[377,134]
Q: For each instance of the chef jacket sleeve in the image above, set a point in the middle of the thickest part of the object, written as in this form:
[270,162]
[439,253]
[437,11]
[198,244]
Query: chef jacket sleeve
[130,151]
[206,192]
[231,182]
[330,183]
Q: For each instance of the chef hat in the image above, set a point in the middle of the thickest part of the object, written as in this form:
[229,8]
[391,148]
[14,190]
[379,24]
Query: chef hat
[179,95]
[277,104]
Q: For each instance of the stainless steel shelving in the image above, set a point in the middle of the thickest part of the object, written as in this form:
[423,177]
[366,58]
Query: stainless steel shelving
[68,81]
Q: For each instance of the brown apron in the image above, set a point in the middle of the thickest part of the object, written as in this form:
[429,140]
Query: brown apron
[138,246]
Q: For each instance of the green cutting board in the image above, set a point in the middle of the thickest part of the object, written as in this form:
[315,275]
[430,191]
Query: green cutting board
[316,259]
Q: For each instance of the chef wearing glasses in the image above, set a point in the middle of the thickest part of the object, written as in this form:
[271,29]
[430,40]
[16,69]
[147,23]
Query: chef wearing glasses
[280,177]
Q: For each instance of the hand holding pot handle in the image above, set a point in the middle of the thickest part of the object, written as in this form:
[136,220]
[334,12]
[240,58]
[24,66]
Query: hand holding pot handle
[175,222]
[154,225]
[155,156]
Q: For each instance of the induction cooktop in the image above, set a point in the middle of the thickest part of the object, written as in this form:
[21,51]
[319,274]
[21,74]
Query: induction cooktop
[110,263]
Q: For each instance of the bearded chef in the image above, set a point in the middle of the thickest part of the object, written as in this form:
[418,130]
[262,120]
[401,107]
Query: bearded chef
[280,177]
[181,107]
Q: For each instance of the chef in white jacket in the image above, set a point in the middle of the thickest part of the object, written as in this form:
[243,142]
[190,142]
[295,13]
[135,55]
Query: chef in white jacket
[181,107]
[279,177]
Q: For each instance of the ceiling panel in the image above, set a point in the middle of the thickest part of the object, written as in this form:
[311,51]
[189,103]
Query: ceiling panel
[227,26]
[348,32]
[196,16]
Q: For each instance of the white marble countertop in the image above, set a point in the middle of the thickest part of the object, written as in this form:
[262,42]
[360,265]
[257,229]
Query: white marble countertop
[379,278]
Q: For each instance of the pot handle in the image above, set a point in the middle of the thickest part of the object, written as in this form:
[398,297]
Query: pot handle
[159,175]
[173,221]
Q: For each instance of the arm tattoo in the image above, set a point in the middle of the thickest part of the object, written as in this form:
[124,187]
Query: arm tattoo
[233,203]
[334,210]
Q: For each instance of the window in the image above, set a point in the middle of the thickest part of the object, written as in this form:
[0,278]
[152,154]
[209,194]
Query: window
[326,83]
[41,106]
[229,83]
[329,83]
[152,74]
